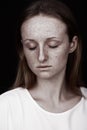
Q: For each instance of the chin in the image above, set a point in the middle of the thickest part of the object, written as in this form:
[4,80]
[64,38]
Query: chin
[44,75]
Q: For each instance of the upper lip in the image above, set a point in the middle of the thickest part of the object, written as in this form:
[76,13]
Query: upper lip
[43,66]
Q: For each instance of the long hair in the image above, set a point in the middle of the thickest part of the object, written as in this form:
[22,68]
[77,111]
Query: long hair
[25,77]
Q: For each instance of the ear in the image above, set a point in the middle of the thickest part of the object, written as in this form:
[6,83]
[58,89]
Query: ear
[73,44]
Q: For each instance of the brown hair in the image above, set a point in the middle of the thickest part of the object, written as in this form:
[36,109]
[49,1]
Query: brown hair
[25,77]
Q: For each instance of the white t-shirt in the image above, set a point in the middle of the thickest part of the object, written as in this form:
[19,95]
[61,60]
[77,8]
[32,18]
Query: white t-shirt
[19,111]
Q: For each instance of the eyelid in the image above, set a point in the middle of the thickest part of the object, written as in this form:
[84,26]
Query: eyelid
[53,46]
[53,43]
[30,45]
[32,48]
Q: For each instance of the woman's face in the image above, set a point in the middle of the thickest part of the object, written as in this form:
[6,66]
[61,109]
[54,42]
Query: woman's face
[46,46]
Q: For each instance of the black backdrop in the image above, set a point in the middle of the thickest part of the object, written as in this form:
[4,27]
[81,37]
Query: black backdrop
[9,13]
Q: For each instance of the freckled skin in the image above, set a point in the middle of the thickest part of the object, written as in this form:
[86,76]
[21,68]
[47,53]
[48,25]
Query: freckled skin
[39,29]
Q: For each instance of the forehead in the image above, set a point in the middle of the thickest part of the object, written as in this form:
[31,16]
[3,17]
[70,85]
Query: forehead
[43,25]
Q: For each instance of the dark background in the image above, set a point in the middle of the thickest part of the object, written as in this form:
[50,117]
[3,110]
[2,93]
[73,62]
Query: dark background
[9,13]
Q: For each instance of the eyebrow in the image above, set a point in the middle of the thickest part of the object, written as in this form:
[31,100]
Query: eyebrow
[50,38]
[28,40]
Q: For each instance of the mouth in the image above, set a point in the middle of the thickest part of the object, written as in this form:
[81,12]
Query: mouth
[44,66]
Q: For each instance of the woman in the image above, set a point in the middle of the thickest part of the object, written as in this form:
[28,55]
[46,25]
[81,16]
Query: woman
[46,94]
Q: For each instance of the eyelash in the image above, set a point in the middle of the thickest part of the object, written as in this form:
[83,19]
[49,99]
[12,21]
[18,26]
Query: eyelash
[53,46]
[49,46]
[33,48]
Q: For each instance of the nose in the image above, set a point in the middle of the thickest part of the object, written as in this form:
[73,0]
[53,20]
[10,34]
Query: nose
[42,54]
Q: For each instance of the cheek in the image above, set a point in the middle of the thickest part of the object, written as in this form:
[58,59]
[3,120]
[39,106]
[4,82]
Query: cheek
[30,58]
[59,54]
[59,57]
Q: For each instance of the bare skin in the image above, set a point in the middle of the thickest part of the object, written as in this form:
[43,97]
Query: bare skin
[46,48]
[52,103]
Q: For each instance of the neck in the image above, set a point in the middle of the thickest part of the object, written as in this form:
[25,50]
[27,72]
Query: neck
[52,88]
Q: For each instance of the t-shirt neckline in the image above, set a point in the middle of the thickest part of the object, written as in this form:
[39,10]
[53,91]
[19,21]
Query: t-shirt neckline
[52,113]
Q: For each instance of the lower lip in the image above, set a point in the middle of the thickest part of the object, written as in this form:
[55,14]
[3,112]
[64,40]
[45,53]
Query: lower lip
[44,68]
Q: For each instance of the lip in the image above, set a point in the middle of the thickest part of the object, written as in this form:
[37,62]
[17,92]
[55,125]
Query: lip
[44,66]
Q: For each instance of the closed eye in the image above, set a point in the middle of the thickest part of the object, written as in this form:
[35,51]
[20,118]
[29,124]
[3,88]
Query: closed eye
[30,45]
[53,46]
[32,48]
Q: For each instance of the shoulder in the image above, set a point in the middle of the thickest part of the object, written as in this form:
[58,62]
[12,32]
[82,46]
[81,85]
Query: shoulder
[84,91]
[10,97]
[10,106]
[11,93]
[11,102]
